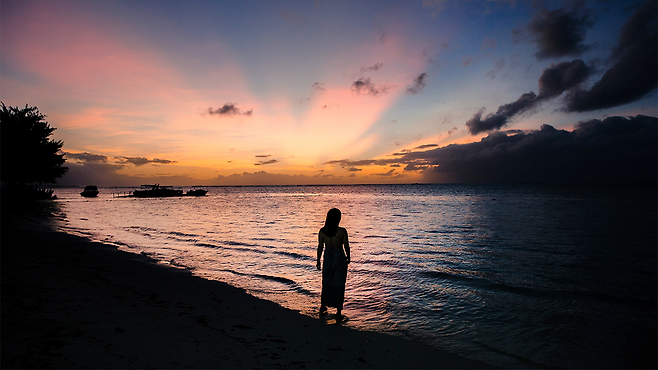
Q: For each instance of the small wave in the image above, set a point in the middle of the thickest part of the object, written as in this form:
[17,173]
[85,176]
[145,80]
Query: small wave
[452,230]
[279,279]
[384,263]
[443,231]
[378,252]
[141,228]
[274,278]
[230,242]
[231,247]
[422,251]
[177,233]
[295,255]
[76,231]
[265,239]
[207,245]
[485,284]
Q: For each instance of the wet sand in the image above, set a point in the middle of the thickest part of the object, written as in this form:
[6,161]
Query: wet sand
[71,303]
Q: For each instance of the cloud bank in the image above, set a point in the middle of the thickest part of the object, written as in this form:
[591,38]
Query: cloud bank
[140,161]
[89,168]
[616,149]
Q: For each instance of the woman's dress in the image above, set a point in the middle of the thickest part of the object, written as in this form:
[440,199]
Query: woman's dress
[334,274]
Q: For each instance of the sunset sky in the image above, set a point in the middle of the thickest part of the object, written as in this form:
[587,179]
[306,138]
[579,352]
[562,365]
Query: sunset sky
[325,92]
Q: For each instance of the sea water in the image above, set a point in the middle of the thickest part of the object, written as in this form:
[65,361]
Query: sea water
[528,275]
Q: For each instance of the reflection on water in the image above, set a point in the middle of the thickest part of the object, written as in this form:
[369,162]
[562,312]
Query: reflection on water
[513,275]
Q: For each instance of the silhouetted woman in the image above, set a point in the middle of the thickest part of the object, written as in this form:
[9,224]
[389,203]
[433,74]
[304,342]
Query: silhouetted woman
[336,258]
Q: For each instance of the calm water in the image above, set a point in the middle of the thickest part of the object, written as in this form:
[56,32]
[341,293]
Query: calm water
[517,276]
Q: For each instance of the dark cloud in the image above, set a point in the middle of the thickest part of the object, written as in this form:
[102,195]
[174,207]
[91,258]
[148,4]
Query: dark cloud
[98,170]
[354,169]
[366,87]
[140,161]
[98,173]
[92,168]
[634,72]
[86,157]
[561,77]
[426,146]
[402,152]
[375,67]
[162,161]
[558,33]
[262,163]
[418,85]
[385,174]
[616,149]
[229,109]
[349,163]
[554,81]
[415,167]
[505,112]
[263,155]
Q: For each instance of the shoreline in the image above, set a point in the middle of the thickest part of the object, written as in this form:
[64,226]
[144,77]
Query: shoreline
[70,302]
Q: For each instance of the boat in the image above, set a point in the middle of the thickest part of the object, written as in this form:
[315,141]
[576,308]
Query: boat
[90,191]
[196,192]
[157,191]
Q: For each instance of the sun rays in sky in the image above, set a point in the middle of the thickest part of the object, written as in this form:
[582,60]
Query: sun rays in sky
[286,92]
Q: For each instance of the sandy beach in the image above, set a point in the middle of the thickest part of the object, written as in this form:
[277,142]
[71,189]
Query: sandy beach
[71,303]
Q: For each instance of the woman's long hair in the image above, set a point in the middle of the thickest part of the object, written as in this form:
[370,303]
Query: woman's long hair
[331,223]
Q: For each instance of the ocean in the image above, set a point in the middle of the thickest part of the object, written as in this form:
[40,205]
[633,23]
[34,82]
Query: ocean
[524,275]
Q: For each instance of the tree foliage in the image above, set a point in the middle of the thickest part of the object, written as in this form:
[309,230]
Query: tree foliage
[28,155]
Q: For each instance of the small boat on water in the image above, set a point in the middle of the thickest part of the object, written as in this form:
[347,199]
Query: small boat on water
[196,192]
[90,191]
[157,191]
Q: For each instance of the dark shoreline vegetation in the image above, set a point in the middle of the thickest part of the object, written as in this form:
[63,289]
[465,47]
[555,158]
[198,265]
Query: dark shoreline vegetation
[69,302]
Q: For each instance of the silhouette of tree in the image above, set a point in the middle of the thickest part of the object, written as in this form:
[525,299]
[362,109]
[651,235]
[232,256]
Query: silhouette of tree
[28,155]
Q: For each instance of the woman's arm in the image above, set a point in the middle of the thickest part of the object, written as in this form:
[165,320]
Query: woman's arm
[346,244]
[320,247]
